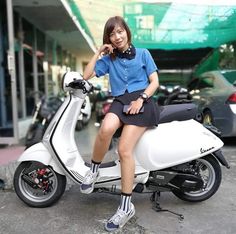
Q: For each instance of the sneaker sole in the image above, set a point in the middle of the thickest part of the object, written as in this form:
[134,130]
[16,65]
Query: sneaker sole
[87,191]
[114,229]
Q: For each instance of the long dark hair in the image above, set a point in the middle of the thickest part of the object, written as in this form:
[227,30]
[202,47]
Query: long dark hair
[109,27]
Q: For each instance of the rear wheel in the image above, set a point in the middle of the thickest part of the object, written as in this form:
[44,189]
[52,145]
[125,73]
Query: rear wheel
[209,170]
[38,185]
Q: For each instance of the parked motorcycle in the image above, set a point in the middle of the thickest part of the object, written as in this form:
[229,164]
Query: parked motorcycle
[180,156]
[43,112]
[173,95]
[103,103]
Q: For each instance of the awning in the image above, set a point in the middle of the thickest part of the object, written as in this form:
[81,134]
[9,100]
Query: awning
[172,26]
[58,20]
[180,35]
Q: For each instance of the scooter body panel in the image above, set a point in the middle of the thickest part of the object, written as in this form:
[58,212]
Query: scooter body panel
[39,153]
[185,141]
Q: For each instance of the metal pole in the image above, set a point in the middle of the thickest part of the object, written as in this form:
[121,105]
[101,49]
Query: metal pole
[21,68]
[11,68]
[45,68]
[35,67]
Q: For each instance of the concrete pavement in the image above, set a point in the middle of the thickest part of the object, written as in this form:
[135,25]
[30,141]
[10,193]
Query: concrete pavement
[86,214]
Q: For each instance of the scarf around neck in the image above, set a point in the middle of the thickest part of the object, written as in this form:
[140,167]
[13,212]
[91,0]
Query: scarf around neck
[127,54]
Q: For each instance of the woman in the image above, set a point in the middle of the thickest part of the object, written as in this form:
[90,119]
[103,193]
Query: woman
[133,79]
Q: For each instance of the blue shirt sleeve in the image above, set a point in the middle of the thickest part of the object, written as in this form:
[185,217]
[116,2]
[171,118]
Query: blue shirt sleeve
[149,63]
[102,66]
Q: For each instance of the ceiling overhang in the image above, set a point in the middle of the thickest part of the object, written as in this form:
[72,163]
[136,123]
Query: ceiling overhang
[53,18]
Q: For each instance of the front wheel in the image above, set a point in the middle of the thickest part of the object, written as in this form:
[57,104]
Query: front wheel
[38,185]
[209,170]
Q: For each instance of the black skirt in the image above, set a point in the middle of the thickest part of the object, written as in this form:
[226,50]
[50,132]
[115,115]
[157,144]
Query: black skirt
[148,118]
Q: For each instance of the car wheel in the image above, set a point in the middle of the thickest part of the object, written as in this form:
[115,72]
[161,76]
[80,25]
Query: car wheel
[208,117]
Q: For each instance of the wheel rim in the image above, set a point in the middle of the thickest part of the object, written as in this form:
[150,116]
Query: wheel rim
[38,195]
[207,119]
[208,175]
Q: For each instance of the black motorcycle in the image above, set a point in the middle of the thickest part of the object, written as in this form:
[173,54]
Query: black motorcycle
[173,95]
[43,112]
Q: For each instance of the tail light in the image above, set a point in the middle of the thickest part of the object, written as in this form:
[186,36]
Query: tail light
[232,99]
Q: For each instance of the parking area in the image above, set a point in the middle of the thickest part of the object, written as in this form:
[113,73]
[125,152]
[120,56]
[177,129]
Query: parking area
[79,213]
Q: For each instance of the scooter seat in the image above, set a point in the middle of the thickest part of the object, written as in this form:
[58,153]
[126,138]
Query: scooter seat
[177,112]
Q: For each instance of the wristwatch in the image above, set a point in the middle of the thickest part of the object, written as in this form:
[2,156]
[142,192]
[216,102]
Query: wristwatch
[144,96]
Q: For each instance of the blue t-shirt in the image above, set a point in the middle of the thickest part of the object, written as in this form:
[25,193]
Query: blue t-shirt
[124,74]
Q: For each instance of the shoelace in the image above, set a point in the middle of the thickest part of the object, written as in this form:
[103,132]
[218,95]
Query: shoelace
[90,177]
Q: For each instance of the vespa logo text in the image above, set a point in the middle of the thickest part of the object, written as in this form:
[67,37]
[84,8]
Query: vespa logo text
[202,151]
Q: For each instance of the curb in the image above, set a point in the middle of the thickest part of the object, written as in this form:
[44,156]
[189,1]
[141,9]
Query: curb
[7,173]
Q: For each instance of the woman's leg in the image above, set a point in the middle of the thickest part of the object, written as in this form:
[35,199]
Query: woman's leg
[109,126]
[129,137]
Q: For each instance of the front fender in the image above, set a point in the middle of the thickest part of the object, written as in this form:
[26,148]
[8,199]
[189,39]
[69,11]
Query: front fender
[39,153]
[218,154]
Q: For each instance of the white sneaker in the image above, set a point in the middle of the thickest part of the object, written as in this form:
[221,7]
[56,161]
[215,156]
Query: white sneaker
[88,182]
[119,219]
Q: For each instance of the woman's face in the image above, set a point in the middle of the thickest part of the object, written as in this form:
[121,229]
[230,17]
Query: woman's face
[119,38]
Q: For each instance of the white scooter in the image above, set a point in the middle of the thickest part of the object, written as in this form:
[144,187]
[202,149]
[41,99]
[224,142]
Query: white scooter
[85,114]
[180,155]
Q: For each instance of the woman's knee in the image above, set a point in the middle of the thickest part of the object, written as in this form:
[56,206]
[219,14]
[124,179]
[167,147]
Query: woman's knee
[109,126]
[124,152]
[106,131]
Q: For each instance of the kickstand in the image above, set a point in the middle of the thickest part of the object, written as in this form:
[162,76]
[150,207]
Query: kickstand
[155,197]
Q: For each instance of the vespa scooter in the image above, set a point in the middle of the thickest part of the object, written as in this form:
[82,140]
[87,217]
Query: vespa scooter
[180,155]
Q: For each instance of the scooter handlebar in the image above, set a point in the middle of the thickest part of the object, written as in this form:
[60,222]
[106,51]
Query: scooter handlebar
[84,85]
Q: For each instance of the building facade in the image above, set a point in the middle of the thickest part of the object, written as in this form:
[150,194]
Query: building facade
[39,42]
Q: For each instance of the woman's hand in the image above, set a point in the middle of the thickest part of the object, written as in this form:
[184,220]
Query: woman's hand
[106,49]
[89,69]
[135,106]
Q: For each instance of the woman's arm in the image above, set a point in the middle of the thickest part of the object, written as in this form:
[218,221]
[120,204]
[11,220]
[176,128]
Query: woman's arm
[154,84]
[89,69]
[150,90]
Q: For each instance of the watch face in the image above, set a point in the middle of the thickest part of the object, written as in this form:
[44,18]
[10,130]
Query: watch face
[145,96]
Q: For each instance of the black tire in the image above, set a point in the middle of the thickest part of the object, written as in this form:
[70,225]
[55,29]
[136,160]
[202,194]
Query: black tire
[37,197]
[211,185]
[85,120]
[208,117]
[34,134]
[79,125]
